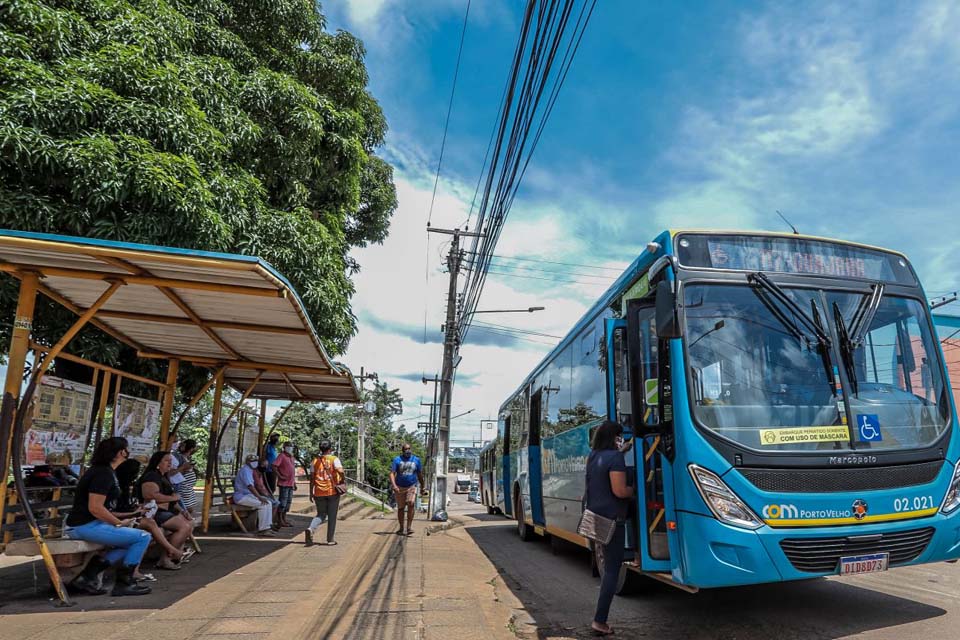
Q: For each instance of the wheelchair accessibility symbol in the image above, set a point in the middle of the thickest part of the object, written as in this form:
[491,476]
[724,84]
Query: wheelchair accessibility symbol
[868,425]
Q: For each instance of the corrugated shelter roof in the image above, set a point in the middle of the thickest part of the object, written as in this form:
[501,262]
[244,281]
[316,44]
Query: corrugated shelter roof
[207,308]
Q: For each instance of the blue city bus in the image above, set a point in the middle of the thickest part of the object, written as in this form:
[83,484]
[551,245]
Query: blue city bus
[789,405]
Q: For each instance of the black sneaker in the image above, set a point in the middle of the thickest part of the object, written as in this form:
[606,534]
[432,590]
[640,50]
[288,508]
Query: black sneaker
[308,534]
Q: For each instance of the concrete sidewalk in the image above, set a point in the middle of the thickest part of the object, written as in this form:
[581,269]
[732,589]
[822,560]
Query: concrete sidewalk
[373,584]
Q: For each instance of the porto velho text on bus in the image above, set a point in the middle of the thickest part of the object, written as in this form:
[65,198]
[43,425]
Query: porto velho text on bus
[788,400]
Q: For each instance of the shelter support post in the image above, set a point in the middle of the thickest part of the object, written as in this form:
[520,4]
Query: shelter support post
[261,425]
[212,450]
[90,426]
[16,361]
[102,409]
[169,394]
[243,398]
[50,356]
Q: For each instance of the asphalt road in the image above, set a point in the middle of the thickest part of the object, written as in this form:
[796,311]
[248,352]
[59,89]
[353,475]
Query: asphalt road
[553,581]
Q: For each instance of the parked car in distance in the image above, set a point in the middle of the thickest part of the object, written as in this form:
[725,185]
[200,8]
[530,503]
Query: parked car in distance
[474,495]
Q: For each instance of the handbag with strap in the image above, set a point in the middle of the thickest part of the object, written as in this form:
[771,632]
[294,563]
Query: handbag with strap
[592,525]
[330,470]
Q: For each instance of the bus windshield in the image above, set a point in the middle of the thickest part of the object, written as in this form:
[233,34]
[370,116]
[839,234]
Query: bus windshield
[762,379]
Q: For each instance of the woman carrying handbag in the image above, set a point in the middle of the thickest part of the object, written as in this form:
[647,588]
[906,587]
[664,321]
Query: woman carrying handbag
[607,499]
[327,484]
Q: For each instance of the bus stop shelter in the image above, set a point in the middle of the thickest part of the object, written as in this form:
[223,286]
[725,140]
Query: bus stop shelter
[234,314]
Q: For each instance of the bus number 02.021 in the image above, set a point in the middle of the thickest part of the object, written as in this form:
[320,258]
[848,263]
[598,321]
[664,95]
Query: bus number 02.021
[917,503]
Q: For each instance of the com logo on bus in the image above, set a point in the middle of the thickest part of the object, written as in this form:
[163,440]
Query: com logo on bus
[780,511]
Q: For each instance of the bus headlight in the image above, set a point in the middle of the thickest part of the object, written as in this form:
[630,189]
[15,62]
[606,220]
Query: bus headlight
[952,500]
[723,502]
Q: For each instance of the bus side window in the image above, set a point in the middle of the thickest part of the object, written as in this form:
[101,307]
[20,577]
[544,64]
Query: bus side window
[648,367]
[623,411]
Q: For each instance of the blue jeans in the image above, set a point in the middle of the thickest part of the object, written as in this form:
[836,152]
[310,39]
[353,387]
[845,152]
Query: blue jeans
[128,544]
[286,498]
[612,559]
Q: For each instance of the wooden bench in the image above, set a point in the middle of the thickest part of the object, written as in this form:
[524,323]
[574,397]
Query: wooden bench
[50,505]
[245,518]
[70,556]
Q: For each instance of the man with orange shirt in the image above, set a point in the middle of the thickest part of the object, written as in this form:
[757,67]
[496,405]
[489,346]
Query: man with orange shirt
[327,484]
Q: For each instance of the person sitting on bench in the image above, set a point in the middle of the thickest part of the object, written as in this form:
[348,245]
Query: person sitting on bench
[90,519]
[245,494]
[127,505]
[154,485]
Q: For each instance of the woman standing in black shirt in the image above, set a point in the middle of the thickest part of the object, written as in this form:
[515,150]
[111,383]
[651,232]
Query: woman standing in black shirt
[607,495]
[91,519]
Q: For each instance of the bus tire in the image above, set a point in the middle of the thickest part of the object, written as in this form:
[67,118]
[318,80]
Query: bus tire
[491,511]
[524,530]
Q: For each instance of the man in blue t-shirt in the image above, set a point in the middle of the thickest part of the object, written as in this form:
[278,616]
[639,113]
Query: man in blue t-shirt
[406,473]
[270,454]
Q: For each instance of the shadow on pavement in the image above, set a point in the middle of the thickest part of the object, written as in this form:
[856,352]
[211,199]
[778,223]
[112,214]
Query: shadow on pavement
[552,578]
[24,588]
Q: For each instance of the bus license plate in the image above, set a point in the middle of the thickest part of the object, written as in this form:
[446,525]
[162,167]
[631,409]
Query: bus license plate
[852,565]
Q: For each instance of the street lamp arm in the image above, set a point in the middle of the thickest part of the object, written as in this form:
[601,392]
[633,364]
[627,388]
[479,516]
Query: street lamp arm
[527,310]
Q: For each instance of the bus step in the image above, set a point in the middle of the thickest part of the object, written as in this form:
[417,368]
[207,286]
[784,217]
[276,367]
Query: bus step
[666,578]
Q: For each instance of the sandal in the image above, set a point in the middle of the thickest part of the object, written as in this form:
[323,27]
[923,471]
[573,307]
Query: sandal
[145,577]
[168,565]
[601,632]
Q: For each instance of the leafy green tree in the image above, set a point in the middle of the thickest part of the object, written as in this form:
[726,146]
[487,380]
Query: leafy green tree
[226,125]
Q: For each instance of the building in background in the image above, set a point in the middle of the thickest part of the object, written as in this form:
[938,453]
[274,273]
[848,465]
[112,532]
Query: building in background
[948,329]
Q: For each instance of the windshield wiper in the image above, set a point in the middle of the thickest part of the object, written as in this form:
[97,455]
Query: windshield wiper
[846,348]
[860,324]
[812,324]
[852,339]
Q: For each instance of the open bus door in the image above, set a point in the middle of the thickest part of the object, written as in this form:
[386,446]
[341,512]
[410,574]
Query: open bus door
[633,388]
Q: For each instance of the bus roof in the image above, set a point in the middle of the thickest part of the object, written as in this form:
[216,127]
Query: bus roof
[781,234]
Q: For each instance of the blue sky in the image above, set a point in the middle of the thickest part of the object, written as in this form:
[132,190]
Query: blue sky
[843,116]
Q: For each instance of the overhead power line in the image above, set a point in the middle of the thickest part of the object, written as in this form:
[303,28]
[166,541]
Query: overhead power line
[446,122]
[548,41]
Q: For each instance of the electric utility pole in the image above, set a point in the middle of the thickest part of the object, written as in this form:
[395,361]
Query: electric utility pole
[451,344]
[362,426]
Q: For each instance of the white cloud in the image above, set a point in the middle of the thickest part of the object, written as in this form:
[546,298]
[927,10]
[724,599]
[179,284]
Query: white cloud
[392,290]
[363,12]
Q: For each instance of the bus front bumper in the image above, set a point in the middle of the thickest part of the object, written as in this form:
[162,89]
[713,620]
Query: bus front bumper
[714,554]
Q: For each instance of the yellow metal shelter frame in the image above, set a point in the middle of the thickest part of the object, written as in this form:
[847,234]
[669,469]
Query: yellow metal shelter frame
[234,314]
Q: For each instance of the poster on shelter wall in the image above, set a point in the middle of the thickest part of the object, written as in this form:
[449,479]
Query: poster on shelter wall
[61,421]
[137,420]
[227,456]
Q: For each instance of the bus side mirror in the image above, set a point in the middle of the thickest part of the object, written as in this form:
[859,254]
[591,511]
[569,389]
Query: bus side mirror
[668,318]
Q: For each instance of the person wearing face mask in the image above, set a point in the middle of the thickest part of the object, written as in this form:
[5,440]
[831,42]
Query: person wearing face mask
[406,473]
[270,453]
[91,519]
[285,466]
[327,485]
[245,494]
